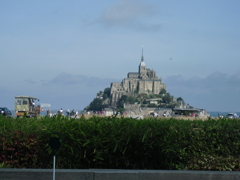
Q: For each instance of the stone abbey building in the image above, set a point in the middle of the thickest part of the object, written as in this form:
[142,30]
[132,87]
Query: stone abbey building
[143,81]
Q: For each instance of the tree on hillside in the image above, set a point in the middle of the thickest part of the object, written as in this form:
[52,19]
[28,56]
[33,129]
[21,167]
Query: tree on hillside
[142,97]
[121,101]
[107,91]
[152,105]
[180,99]
[131,99]
[99,93]
[163,91]
[126,99]
[96,105]
[167,98]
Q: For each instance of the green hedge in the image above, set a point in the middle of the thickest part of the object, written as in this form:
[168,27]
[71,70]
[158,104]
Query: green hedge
[121,143]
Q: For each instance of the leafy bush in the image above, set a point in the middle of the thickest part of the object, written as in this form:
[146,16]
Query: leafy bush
[209,162]
[19,151]
[152,105]
[122,143]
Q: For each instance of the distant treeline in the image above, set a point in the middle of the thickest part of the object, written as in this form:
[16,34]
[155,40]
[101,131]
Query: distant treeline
[121,143]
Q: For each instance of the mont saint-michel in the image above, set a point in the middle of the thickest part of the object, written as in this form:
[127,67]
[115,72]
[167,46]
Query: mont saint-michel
[141,93]
[145,81]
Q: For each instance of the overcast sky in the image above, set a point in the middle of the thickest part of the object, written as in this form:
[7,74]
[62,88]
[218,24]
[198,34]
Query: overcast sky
[65,51]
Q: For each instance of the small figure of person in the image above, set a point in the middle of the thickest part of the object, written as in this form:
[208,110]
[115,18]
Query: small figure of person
[37,110]
[31,104]
[48,112]
[68,113]
[72,113]
[61,111]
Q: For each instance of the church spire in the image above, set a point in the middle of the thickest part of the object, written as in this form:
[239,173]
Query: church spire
[142,63]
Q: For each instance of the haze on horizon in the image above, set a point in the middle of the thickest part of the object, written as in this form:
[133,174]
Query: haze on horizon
[65,51]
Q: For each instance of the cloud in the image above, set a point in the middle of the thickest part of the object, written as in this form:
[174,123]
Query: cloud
[218,91]
[213,81]
[131,14]
[70,79]
[30,81]
[235,78]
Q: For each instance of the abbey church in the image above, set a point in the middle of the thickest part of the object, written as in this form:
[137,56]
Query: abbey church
[143,81]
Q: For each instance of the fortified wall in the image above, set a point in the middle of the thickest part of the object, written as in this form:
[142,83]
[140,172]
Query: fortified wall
[143,81]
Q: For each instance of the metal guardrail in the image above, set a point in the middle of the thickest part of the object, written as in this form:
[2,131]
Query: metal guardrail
[105,174]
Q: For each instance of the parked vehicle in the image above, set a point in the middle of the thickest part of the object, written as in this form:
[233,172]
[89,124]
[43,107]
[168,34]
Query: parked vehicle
[25,105]
[232,115]
[5,112]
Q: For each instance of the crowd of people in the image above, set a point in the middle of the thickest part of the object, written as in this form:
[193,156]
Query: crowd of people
[62,112]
